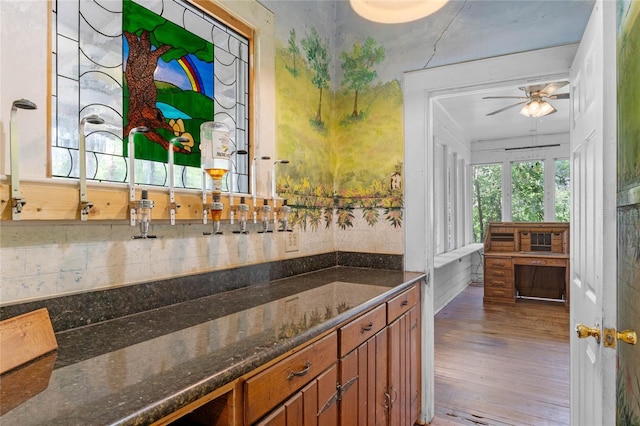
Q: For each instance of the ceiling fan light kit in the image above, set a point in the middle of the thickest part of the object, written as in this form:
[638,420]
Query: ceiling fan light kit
[537,108]
[535,104]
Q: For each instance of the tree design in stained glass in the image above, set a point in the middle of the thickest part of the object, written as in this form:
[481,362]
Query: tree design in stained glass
[168,85]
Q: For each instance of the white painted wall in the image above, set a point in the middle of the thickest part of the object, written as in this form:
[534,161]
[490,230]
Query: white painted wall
[454,271]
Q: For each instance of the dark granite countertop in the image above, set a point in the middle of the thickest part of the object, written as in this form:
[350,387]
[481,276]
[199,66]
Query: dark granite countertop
[139,368]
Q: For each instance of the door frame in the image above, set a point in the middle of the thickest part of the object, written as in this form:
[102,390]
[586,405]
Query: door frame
[420,88]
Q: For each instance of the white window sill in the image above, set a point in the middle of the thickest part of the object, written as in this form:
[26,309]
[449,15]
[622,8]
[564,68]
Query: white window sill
[453,255]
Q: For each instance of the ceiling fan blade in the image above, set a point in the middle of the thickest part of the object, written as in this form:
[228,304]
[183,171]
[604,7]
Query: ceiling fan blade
[506,108]
[504,97]
[552,87]
[559,96]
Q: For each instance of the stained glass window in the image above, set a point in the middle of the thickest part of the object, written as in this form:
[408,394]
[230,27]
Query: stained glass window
[162,64]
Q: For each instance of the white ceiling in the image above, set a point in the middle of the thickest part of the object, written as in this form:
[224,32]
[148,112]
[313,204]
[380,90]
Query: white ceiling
[470,111]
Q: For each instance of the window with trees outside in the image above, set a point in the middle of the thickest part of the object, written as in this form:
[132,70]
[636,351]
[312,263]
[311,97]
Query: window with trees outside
[527,196]
[201,74]
[563,192]
[487,198]
[528,189]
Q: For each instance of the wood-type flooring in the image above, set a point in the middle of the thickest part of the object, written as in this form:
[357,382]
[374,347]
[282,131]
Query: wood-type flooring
[499,364]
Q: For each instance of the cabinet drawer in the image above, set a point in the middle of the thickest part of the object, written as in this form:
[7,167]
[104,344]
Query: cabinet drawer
[498,283]
[539,261]
[361,329]
[497,262]
[401,303]
[498,272]
[503,246]
[502,229]
[498,293]
[275,384]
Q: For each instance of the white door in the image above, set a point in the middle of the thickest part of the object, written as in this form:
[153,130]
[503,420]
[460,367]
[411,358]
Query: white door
[593,221]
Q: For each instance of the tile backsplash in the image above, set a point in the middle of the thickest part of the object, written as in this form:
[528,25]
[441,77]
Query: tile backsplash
[47,260]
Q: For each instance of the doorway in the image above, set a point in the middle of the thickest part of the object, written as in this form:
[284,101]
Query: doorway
[421,88]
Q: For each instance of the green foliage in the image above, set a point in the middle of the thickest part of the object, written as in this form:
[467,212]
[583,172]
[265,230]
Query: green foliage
[317,52]
[332,173]
[369,148]
[163,32]
[294,53]
[370,214]
[487,198]
[628,93]
[357,66]
[527,179]
[345,215]
[563,191]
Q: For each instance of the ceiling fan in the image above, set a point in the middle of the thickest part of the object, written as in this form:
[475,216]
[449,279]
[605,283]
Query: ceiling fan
[535,103]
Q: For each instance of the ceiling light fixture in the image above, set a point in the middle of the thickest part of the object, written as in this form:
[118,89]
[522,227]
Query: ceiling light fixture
[395,11]
[537,108]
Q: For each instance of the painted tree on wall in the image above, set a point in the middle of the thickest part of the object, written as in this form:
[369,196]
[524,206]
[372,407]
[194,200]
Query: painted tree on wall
[357,66]
[294,52]
[317,53]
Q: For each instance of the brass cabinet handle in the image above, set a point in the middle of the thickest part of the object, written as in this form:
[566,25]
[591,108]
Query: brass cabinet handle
[583,332]
[366,328]
[300,373]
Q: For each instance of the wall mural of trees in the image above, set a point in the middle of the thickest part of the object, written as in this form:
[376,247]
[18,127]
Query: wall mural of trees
[345,146]
[628,216]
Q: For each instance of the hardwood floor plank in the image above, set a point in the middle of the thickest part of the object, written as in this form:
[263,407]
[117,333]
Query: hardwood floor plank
[501,365]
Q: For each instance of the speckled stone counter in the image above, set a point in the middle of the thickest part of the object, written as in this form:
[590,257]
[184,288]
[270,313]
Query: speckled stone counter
[139,368]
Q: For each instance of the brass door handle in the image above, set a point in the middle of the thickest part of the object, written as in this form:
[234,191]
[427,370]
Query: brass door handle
[611,336]
[583,332]
[627,336]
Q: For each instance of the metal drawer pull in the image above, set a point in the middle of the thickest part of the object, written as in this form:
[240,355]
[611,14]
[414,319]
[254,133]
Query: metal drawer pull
[404,303]
[366,327]
[300,373]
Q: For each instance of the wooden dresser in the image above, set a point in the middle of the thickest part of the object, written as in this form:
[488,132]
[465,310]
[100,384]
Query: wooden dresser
[526,260]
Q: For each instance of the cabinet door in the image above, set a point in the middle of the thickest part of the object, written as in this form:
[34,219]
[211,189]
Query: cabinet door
[314,405]
[404,369]
[327,409]
[277,418]
[363,377]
